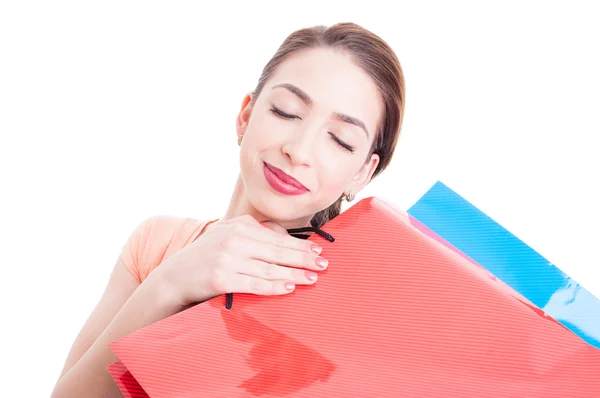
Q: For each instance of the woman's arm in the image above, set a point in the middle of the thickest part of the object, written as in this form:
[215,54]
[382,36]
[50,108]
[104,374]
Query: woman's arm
[120,287]
[125,307]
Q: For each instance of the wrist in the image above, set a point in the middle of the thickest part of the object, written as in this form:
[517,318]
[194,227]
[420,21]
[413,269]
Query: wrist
[164,290]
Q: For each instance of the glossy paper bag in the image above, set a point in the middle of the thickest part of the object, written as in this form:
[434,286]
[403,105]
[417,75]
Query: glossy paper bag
[397,313]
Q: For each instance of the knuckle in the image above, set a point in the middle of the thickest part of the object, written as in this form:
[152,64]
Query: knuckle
[310,259]
[268,270]
[307,246]
[218,281]
[270,287]
[298,276]
[255,285]
[279,254]
[282,241]
[277,287]
[237,228]
[230,241]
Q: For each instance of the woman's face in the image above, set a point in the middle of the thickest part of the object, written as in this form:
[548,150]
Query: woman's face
[315,120]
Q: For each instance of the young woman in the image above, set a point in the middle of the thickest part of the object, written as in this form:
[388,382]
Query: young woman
[323,120]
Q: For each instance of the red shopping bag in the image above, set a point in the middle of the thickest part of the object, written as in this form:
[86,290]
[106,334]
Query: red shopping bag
[397,313]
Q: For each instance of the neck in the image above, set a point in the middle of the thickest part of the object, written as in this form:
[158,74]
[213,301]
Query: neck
[240,205]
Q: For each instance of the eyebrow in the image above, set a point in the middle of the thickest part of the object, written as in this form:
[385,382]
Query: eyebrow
[308,101]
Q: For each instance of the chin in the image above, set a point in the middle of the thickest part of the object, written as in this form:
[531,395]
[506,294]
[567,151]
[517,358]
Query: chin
[277,208]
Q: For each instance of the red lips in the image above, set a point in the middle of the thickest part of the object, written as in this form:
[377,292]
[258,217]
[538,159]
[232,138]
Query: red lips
[285,177]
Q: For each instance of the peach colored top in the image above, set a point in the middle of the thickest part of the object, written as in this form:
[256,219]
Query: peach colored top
[157,238]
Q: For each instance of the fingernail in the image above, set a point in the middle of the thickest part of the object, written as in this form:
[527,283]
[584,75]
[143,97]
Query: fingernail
[311,276]
[289,286]
[321,262]
[316,248]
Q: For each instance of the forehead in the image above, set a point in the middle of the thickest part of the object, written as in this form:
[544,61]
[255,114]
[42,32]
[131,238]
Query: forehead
[333,81]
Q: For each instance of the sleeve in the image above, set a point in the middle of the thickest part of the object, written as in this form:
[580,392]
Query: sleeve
[133,249]
[155,239]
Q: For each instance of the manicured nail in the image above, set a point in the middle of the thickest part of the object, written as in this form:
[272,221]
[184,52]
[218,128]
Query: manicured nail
[289,286]
[316,248]
[321,262]
[311,276]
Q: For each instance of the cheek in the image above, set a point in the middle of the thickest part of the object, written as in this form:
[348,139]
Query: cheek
[264,134]
[255,139]
[333,177]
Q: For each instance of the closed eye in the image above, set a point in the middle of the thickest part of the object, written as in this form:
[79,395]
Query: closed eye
[282,114]
[342,143]
[279,113]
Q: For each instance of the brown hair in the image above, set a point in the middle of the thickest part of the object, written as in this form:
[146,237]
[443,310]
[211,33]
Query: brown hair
[378,60]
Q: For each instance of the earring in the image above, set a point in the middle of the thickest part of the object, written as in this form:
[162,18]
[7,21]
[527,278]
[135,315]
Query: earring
[350,196]
[240,138]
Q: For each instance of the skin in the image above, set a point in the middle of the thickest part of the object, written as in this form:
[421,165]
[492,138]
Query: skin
[304,148]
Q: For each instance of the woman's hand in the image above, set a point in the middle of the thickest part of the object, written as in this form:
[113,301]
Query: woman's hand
[241,256]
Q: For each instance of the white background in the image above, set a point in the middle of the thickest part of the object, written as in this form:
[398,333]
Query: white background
[111,112]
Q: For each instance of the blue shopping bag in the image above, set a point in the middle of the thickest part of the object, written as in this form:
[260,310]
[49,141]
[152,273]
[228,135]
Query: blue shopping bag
[508,258]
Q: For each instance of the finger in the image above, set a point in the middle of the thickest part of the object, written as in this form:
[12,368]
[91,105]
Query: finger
[273,226]
[245,219]
[271,232]
[274,272]
[250,284]
[286,256]
[267,235]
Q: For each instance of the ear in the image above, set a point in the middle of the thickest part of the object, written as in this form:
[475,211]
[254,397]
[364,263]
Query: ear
[243,117]
[364,174]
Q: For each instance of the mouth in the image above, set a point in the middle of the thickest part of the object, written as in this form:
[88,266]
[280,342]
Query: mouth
[283,180]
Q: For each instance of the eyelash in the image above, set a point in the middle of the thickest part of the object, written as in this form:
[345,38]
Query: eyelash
[284,115]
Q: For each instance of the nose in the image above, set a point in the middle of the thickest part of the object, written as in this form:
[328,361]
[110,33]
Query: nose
[300,146]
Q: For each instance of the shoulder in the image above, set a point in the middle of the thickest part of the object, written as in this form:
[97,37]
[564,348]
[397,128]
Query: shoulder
[155,239]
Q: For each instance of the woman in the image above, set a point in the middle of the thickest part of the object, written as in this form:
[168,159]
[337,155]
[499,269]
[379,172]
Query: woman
[323,120]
